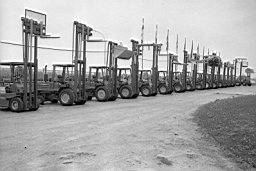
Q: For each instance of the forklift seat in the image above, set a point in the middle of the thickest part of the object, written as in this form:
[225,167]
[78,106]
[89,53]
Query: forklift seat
[2,90]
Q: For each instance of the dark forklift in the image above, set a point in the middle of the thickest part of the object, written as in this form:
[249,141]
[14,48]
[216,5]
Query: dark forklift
[128,84]
[21,93]
[102,80]
[70,89]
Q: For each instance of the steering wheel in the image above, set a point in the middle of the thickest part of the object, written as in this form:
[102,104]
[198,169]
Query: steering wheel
[69,78]
[18,77]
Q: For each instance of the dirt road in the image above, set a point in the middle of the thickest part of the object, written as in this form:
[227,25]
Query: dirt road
[144,134]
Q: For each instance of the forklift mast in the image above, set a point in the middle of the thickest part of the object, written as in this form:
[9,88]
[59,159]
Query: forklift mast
[135,67]
[228,71]
[80,37]
[205,66]
[184,72]
[224,73]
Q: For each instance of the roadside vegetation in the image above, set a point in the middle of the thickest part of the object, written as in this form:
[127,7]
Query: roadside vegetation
[232,124]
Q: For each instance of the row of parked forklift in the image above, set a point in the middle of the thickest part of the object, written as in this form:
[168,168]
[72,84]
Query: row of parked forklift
[22,91]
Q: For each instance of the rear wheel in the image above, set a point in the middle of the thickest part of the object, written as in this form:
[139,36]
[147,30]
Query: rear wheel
[54,100]
[16,104]
[102,94]
[146,91]
[80,102]
[40,100]
[162,88]
[135,96]
[112,98]
[66,97]
[125,92]
[177,87]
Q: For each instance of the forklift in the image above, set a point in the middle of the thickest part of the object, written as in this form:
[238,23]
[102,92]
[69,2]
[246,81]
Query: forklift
[21,93]
[149,86]
[196,85]
[165,78]
[102,80]
[69,87]
[243,63]
[127,80]
[186,81]
[247,80]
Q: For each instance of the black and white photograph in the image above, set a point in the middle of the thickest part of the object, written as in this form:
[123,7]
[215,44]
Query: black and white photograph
[127,85]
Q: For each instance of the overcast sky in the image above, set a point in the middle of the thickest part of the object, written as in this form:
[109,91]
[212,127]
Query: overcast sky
[225,26]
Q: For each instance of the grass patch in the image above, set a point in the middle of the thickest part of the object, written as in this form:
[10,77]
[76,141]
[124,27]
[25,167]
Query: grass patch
[232,123]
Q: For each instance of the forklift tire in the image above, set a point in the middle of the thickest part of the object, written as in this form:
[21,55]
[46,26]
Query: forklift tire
[80,102]
[214,85]
[40,100]
[54,100]
[102,94]
[249,84]
[177,88]
[162,88]
[189,87]
[199,86]
[37,106]
[146,91]
[89,98]
[207,85]
[112,98]
[16,104]
[220,85]
[125,92]
[135,96]
[66,97]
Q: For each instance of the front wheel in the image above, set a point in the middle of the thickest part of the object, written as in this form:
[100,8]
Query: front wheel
[189,87]
[214,85]
[146,91]
[125,92]
[16,104]
[162,88]
[177,87]
[102,94]
[199,86]
[66,97]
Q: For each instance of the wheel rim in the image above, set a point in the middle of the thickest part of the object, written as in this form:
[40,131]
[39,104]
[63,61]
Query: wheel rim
[65,97]
[177,88]
[125,92]
[163,89]
[101,94]
[15,105]
[145,91]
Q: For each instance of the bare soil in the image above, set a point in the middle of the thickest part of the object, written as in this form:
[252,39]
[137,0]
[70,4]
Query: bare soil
[143,134]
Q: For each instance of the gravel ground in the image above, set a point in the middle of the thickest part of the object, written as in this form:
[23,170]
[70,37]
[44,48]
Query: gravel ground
[144,134]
